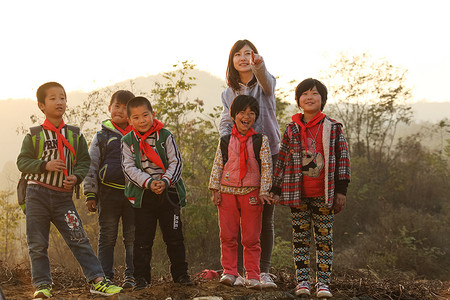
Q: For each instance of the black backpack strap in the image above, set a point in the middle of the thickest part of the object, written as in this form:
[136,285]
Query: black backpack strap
[224,142]
[257,143]
[76,134]
[36,131]
[102,141]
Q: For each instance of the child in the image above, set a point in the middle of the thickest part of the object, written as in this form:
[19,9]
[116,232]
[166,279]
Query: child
[311,175]
[152,166]
[53,167]
[105,183]
[240,181]
[247,75]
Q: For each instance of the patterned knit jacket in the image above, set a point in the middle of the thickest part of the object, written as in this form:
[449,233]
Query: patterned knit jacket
[288,176]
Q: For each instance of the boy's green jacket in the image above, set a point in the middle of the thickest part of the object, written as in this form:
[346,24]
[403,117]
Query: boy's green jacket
[135,193]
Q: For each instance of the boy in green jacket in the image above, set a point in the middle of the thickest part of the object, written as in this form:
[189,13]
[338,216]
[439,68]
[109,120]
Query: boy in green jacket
[152,165]
[55,159]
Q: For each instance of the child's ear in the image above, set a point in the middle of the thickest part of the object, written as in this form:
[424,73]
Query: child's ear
[41,106]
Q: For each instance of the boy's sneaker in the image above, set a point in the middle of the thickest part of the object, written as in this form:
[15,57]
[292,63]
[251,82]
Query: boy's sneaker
[240,281]
[141,283]
[184,280]
[323,291]
[227,279]
[253,284]
[43,291]
[105,288]
[303,289]
[128,283]
[267,281]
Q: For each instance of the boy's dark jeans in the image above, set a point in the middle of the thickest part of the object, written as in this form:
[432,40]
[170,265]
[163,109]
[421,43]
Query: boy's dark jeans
[154,208]
[112,206]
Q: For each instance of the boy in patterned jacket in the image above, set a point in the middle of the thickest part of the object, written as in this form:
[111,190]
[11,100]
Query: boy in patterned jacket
[311,176]
[53,167]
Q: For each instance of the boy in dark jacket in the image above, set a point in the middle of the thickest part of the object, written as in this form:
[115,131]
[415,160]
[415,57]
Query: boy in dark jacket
[104,185]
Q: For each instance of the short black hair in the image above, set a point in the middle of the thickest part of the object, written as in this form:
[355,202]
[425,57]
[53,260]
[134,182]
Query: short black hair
[241,102]
[307,85]
[41,92]
[121,96]
[138,101]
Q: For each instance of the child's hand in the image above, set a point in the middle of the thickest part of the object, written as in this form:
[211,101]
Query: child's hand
[275,198]
[154,186]
[266,199]
[216,197]
[339,202]
[158,186]
[56,165]
[256,59]
[91,205]
[69,182]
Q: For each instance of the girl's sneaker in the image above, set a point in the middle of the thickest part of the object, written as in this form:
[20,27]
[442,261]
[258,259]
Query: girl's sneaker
[303,289]
[240,281]
[43,291]
[228,279]
[267,281]
[253,284]
[323,291]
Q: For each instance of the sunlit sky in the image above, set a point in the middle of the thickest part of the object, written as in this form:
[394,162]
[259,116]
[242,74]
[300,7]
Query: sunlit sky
[86,45]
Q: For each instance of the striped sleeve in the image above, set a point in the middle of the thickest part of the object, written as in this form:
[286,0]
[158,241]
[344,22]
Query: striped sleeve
[174,161]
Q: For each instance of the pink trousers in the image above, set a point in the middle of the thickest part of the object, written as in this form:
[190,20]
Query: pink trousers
[246,211]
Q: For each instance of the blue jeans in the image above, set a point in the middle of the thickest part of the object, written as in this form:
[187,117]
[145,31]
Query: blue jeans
[112,206]
[42,207]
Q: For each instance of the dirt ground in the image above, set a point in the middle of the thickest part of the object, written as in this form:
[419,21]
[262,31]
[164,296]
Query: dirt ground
[355,285]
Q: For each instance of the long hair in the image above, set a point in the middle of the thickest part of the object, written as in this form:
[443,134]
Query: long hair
[232,74]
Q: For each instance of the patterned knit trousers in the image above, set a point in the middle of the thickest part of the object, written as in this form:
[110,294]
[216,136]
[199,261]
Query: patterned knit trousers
[313,212]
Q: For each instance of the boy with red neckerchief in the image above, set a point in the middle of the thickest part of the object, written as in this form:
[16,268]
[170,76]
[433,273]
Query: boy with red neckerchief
[104,188]
[311,176]
[53,167]
[152,165]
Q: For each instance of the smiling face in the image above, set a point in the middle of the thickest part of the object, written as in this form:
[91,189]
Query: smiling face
[141,118]
[55,103]
[310,101]
[118,113]
[241,59]
[244,120]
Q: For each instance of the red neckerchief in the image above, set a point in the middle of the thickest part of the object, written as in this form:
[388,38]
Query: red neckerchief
[61,140]
[122,131]
[146,148]
[243,149]
[297,118]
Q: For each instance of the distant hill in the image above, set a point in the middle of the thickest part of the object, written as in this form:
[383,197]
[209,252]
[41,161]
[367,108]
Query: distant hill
[16,112]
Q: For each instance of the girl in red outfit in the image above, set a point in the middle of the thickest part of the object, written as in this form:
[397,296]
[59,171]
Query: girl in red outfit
[240,180]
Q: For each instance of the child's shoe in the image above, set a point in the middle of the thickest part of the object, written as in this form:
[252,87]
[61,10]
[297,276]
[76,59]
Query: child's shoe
[184,280]
[303,289]
[228,279]
[253,284]
[240,281]
[128,283]
[141,283]
[43,291]
[105,288]
[267,281]
[323,291]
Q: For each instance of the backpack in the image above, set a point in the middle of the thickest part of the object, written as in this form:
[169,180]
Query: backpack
[35,131]
[257,143]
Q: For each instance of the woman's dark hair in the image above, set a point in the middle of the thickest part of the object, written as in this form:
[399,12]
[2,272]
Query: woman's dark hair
[241,102]
[121,96]
[309,84]
[232,74]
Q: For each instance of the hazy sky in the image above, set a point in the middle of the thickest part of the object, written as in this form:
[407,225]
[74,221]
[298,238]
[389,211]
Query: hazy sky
[85,45]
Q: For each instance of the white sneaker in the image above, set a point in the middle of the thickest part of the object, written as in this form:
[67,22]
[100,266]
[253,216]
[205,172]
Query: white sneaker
[239,281]
[323,291]
[303,289]
[254,284]
[267,281]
